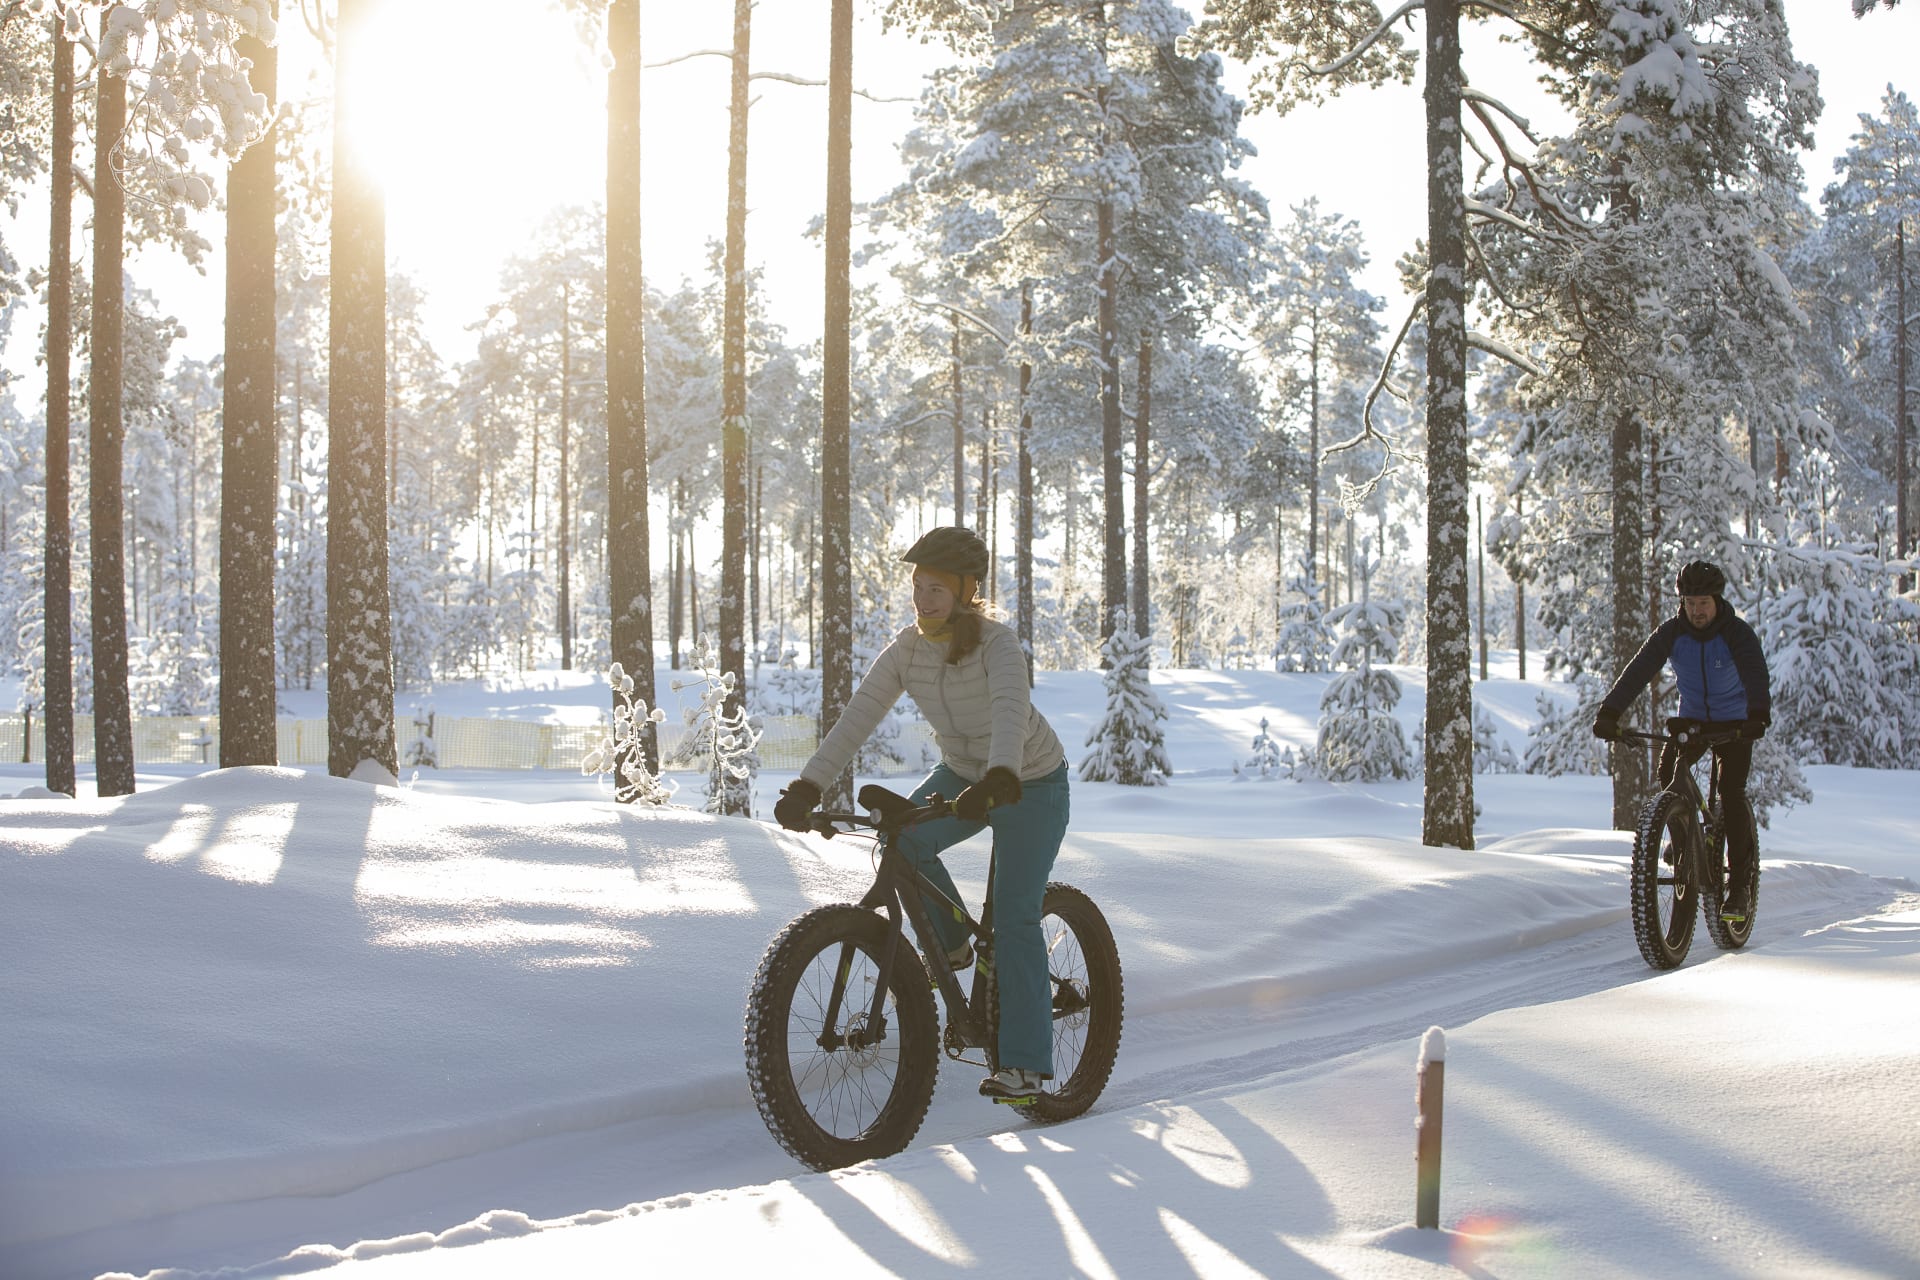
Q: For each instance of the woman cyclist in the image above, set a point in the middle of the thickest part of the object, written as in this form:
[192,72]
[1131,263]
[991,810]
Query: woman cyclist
[1000,762]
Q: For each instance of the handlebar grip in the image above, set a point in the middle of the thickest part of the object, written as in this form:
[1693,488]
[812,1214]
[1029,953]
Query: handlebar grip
[879,799]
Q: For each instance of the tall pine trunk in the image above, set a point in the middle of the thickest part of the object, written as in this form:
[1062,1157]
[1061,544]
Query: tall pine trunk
[629,546]
[1023,519]
[359,617]
[1901,402]
[1142,434]
[733,389]
[112,714]
[836,394]
[249,459]
[1626,475]
[563,606]
[57,619]
[959,425]
[1448,813]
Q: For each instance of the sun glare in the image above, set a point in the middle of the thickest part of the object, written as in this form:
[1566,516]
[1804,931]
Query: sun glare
[479,118]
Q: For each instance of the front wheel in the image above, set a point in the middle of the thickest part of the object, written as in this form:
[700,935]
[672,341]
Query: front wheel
[1083,966]
[1660,880]
[1728,935]
[834,1087]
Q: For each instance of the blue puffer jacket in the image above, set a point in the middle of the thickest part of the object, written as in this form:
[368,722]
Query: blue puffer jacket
[1720,669]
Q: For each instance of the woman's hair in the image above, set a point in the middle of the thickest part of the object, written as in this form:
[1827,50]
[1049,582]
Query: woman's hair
[966,626]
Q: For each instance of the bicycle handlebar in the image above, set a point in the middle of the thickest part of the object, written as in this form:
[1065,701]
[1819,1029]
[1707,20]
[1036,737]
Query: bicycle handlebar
[1712,736]
[887,812]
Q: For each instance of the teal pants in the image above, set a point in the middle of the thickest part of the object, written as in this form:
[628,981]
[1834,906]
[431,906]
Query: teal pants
[1026,839]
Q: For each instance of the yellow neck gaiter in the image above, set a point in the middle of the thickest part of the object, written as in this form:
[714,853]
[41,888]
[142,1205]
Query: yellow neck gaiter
[934,628]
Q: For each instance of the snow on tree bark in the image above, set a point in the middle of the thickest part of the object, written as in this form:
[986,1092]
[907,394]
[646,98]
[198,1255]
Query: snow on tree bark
[733,395]
[112,714]
[1448,812]
[250,437]
[359,624]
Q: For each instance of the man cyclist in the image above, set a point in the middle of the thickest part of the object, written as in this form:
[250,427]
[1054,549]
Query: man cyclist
[1722,676]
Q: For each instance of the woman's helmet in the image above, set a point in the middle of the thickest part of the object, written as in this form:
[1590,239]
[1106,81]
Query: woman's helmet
[952,549]
[1700,579]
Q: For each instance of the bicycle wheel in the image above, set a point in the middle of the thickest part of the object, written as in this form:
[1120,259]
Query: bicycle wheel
[831,1095]
[1088,1003]
[1659,883]
[1728,935]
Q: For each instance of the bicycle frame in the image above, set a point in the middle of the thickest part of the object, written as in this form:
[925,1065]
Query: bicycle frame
[898,888]
[1681,733]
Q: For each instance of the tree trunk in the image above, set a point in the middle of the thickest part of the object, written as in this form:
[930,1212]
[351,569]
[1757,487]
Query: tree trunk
[836,398]
[249,460]
[1113,583]
[563,610]
[1902,423]
[359,620]
[1313,458]
[112,714]
[733,391]
[959,429]
[1023,521]
[1142,434]
[57,622]
[1448,813]
[1629,600]
[629,542]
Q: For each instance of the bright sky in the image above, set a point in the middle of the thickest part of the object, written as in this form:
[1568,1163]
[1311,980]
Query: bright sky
[512,123]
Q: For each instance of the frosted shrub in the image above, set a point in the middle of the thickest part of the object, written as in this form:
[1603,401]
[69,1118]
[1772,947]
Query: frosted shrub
[723,741]
[621,754]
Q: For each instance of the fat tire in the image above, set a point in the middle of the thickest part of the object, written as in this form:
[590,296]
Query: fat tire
[1081,953]
[1663,914]
[833,1108]
[1728,935]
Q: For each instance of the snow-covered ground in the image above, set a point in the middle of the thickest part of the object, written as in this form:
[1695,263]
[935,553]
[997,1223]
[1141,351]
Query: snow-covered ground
[262,1022]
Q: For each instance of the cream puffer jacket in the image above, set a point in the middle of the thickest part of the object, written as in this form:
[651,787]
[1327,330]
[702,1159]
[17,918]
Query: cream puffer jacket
[978,708]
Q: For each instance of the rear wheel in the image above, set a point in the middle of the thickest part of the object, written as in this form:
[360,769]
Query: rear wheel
[1083,966]
[1728,935]
[1658,880]
[833,1087]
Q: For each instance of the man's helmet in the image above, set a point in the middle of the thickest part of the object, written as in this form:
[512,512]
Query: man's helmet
[952,549]
[1700,579]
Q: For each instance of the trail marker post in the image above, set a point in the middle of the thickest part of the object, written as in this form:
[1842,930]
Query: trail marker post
[1429,1090]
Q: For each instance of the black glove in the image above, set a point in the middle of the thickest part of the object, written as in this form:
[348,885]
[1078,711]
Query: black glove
[1606,724]
[1000,786]
[1754,730]
[794,809]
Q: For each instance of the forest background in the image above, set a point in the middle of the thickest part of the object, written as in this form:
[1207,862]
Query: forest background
[1080,309]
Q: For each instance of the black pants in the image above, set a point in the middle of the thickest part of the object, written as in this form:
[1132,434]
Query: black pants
[1732,762]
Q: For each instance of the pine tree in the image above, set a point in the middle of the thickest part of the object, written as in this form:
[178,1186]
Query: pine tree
[723,737]
[618,756]
[1360,739]
[1128,745]
[1305,642]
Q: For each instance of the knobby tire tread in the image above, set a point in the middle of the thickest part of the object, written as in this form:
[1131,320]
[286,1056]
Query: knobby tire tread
[1070,1094]
[915,1032]
[1662,947]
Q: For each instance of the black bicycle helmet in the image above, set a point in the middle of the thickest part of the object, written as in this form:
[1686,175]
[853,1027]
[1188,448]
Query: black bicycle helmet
[952,549]
[1700,579]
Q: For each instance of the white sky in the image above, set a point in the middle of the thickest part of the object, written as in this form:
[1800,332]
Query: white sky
[515,115]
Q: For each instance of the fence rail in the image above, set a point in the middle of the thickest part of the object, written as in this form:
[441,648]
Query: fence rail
[458,742]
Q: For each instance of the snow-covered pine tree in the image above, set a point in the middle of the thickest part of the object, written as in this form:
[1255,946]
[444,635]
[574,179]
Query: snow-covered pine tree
[1360,738]
[1490,754]
[1305,642]
[1265,762]
[1840,647]
[1562,740]
[618,756]
[1128,745]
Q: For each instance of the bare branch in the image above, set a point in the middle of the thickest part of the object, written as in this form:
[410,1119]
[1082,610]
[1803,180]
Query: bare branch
[782,76]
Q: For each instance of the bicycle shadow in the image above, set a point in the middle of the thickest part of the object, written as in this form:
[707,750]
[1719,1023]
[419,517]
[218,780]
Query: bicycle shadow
[1198,1187]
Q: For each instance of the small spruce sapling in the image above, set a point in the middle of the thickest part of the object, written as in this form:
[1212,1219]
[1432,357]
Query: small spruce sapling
[1128,745]
[723,741]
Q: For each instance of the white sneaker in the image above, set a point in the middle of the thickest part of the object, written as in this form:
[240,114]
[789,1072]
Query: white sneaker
[1012,1084]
